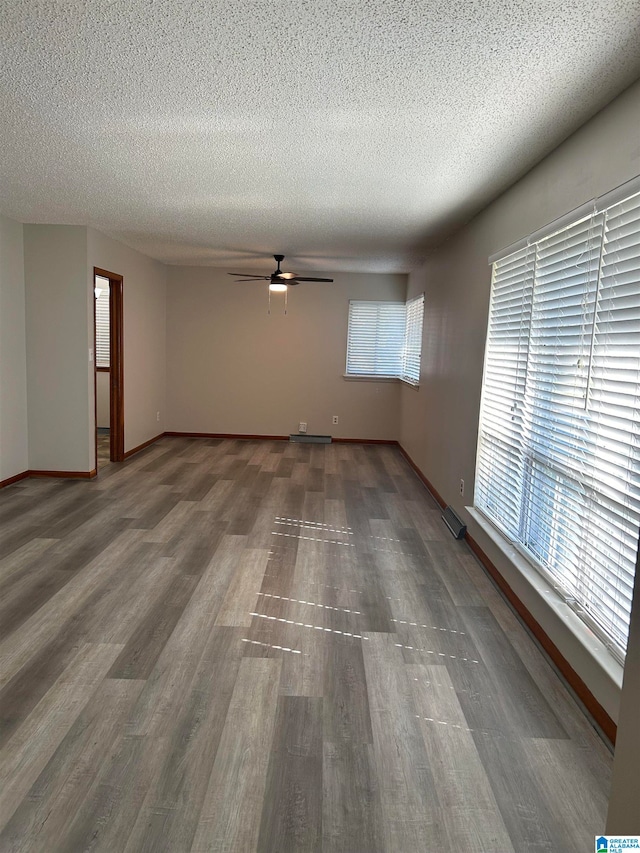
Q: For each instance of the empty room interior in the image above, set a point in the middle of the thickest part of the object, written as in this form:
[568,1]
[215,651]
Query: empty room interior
[319,406]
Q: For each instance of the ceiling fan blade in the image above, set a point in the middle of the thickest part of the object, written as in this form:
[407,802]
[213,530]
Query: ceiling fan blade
[302,278]
[248,276]
[286,275]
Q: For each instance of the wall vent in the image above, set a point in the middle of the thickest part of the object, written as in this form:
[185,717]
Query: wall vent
[310,439]
[454,524]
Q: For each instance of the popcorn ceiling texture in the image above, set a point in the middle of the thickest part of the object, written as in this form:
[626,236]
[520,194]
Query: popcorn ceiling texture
[347,134]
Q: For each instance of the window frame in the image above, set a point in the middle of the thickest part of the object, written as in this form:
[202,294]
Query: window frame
[590,497]
[405,326]
[103,330]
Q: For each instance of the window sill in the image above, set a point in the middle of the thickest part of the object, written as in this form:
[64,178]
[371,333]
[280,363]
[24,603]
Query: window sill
[585,652]
[365,377]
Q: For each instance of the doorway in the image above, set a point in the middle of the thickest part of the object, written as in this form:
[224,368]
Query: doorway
[109,366]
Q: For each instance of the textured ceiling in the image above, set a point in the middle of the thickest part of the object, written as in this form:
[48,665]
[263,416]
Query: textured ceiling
[347,134]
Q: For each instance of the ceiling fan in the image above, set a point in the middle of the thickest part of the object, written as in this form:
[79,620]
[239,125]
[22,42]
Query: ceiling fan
[278,280]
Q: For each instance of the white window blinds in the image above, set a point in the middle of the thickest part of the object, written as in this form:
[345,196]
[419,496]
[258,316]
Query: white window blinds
[413,340]
[385,339]
[558,466]
[102,322]
[375,339]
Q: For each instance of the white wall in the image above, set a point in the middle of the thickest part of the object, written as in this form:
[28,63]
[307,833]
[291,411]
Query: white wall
[14,457]
[234,368]
[59,337]
[102,399]
[439,422]
[144,291]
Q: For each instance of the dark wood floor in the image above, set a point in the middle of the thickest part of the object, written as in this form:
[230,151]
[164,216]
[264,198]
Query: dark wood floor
[238,646]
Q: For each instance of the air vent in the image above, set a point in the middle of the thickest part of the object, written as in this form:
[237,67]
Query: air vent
[453,523]
[310,439]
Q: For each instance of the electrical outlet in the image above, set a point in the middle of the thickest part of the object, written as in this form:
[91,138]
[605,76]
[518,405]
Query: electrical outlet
[462,487]
[335,420]
[158,416]
[302,427]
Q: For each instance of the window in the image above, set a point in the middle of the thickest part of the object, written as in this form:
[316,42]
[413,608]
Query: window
[412,350]
[385,339]
[102,322]
[558,465]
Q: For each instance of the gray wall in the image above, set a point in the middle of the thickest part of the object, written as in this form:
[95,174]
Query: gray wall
[59,322]
[439,423]
[14,457]
[234,368]
[144,294]
[103,405]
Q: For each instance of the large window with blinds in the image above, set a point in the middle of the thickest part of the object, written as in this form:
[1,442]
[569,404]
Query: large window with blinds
[384,340]
[558,464]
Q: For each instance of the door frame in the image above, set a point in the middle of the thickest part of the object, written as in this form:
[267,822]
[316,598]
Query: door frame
[116,365]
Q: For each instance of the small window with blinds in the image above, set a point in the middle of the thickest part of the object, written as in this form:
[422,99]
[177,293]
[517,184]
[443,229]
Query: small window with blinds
[385,340]
[412,349]
[102,322]
[375,341]
[558,464]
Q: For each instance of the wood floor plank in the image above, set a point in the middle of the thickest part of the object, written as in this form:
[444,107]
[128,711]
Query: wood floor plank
[178,516]
[137,586]
[528,708]
[175,668]
[303,674]
[351,812]
[292,811]
[43,625]
[20,559]
[408,792]
[452,571]
[232,808]
[522,804]
[44,815]
[194,546]
[346,706]
[470,813]
[27,753]
[242,593]
[576,809]
[168,818]
[107,814]
[145,645]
